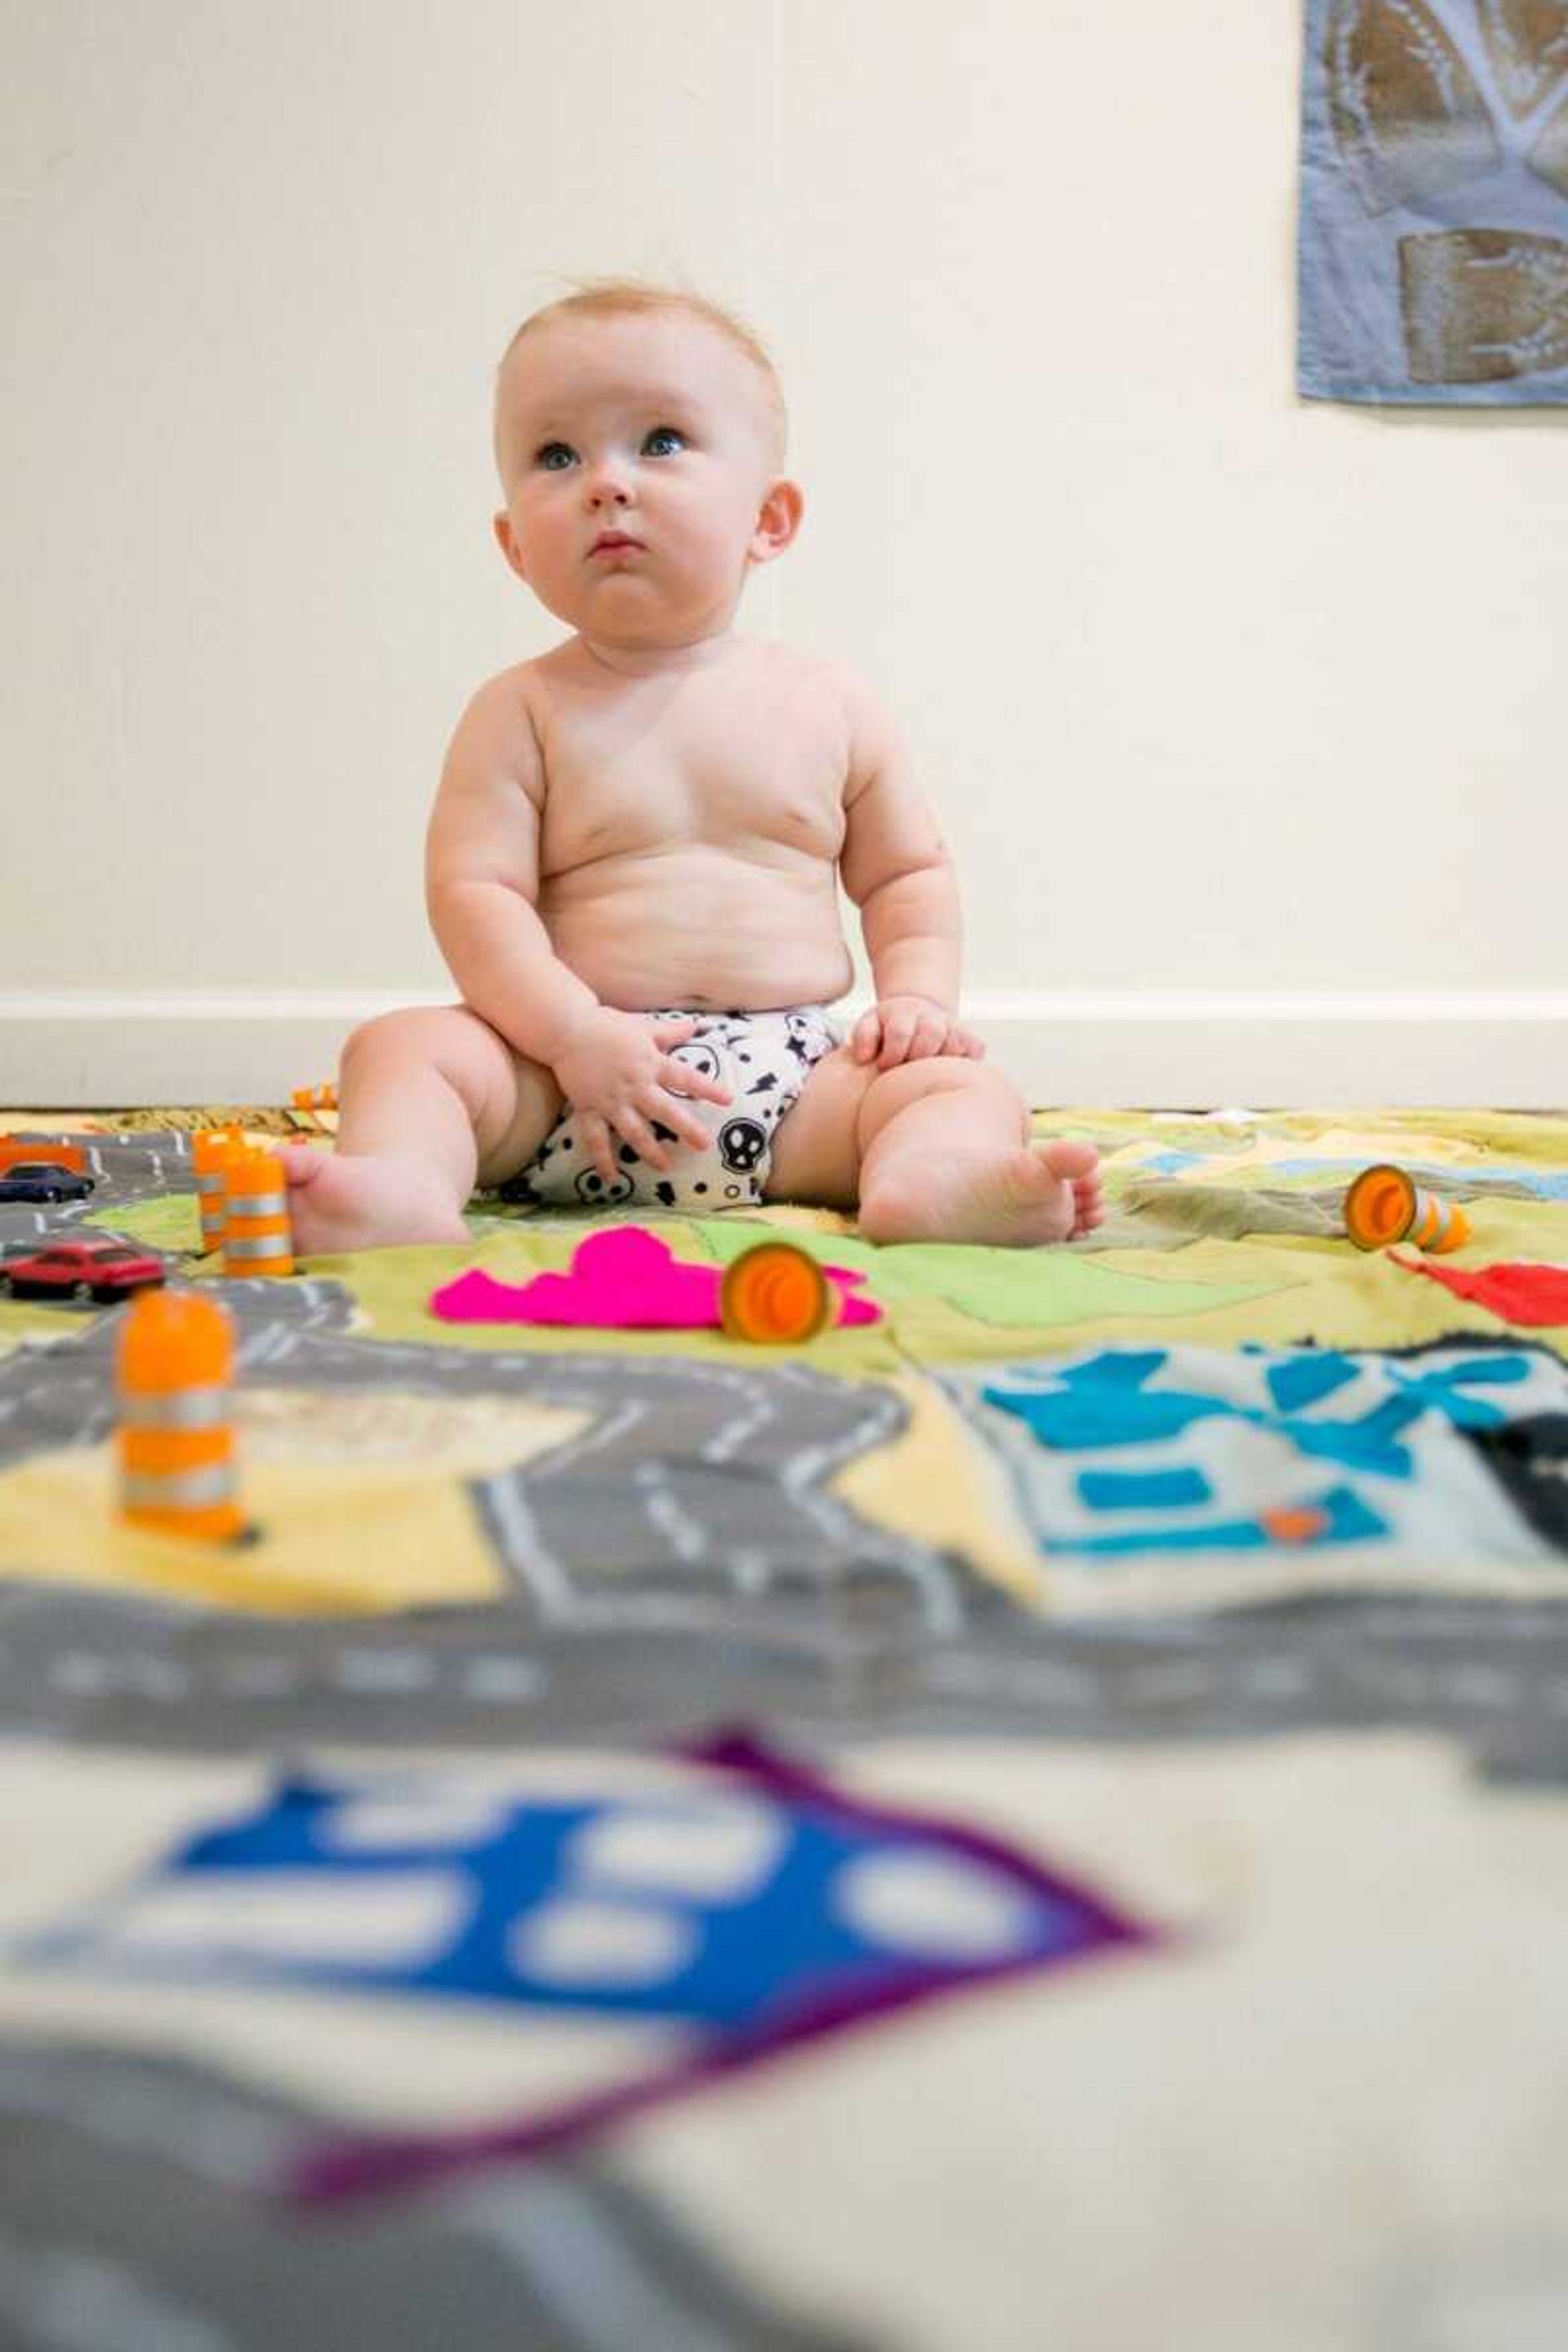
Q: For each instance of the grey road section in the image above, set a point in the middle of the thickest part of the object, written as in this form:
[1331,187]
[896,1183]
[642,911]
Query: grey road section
[696,1496]
[128,1673]
[134,2217]
[124,1169]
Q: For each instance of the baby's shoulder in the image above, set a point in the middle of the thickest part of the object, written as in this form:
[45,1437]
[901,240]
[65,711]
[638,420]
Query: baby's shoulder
[857,704]
[498,732]
[511,692]
[517,701]
[806,674]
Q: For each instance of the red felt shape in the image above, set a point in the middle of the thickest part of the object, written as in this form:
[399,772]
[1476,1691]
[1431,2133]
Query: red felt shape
[1520,1293]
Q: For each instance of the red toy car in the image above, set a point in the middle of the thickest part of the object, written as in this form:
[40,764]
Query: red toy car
[98,1269]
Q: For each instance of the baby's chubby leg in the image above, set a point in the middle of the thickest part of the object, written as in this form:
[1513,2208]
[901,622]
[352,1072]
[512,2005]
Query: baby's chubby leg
[935,1150]
[946,1156]
[428,1100]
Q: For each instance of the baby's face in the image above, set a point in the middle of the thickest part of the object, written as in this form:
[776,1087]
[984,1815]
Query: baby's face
[654,430]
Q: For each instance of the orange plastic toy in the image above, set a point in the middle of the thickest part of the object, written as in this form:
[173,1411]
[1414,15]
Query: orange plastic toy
[257,1236]
[1385,1205]
[776,1293]
[177,1442]
[62,1155]
[210,1148]
[314,1098]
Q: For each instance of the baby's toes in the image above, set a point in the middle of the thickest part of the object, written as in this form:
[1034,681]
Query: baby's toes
[1070,1157]
[1089,1206]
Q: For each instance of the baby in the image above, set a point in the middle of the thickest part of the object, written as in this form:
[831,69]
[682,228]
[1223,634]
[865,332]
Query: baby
[634,857]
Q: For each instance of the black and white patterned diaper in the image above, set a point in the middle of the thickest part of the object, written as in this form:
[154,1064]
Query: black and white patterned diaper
[762,1057]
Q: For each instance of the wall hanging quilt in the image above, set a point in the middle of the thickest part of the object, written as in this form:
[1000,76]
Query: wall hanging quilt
[1433,202]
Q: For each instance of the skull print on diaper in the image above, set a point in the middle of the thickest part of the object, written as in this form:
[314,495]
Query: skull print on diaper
[741,1143]
[595,1193]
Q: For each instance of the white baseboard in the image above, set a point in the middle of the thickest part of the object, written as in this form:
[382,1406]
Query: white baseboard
[124,1049]
[1199,1050]
[1208,1049]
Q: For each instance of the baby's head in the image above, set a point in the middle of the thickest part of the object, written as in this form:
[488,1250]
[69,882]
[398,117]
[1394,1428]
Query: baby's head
[637,411]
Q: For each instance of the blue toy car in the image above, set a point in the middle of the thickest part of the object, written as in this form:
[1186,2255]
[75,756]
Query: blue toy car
[42,1180]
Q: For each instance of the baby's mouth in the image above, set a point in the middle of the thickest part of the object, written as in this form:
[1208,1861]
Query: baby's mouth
[614,542]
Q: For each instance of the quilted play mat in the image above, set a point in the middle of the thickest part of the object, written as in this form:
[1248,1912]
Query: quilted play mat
[1038,1816]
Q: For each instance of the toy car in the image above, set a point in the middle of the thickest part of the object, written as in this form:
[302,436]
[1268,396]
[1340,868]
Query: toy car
[98,1269]
[42,1180]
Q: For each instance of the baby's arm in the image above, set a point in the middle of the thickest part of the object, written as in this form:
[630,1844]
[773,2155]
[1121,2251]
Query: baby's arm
[481,880]
[895,867]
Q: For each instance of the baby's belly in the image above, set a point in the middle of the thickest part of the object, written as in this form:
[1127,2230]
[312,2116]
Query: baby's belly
[702,927]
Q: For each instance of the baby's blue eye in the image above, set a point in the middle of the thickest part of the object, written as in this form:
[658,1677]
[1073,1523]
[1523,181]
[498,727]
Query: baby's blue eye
[547,456]
[664,433]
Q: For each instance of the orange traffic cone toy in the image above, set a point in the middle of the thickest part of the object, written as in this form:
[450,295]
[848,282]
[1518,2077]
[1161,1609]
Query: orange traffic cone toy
[257,1236]
[210,1148]
[1385,1205]
[776,1292]
[173,1367]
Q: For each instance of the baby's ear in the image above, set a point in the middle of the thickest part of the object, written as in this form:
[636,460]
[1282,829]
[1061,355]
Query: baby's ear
[778,521]
[502,526]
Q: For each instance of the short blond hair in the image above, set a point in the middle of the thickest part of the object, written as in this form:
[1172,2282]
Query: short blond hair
[631,298]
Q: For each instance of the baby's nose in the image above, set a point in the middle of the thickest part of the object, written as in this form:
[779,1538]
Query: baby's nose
[606,485]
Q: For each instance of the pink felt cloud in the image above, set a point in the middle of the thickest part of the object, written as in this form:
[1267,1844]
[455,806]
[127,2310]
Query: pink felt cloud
[622,1279]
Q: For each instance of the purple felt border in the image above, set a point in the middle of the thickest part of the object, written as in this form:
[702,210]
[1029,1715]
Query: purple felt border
[361,2166]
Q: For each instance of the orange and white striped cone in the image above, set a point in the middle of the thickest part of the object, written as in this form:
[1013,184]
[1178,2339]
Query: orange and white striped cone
[1384,1205]
[210,1148]
[177,1470]
[257,1236]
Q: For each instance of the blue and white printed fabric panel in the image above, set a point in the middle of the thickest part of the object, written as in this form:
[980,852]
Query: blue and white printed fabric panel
[484,1960]
[1176,1477]
[1434,212]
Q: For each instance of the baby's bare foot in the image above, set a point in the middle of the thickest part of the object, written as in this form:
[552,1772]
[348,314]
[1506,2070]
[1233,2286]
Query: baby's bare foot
[1043,1192]
[338,1202]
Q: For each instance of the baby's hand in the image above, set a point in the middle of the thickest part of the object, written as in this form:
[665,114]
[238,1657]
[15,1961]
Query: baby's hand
[615,1071]
[908,1029]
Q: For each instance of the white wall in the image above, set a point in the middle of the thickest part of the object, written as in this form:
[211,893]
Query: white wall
[1243,716]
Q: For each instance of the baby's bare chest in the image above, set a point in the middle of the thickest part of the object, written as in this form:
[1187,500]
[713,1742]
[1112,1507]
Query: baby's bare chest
[757,765]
